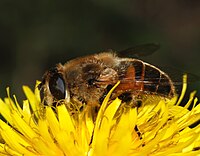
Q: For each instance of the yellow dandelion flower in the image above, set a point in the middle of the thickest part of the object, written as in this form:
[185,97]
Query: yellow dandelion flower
[159,127]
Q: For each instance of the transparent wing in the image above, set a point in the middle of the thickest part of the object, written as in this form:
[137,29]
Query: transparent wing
[139,50]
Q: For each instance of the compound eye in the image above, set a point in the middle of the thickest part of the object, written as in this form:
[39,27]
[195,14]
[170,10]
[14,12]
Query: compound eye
[57,86]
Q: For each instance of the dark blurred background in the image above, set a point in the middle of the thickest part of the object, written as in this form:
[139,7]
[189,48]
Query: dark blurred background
[37,34]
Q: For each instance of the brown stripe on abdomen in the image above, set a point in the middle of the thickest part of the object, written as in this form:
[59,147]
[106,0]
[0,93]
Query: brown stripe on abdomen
[139,67]
[158,82]
[165,86]
[151,78]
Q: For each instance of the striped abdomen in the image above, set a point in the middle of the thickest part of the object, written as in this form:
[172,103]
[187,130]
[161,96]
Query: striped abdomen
[136,75]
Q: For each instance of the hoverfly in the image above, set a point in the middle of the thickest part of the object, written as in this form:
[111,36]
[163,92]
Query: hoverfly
[88,79]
